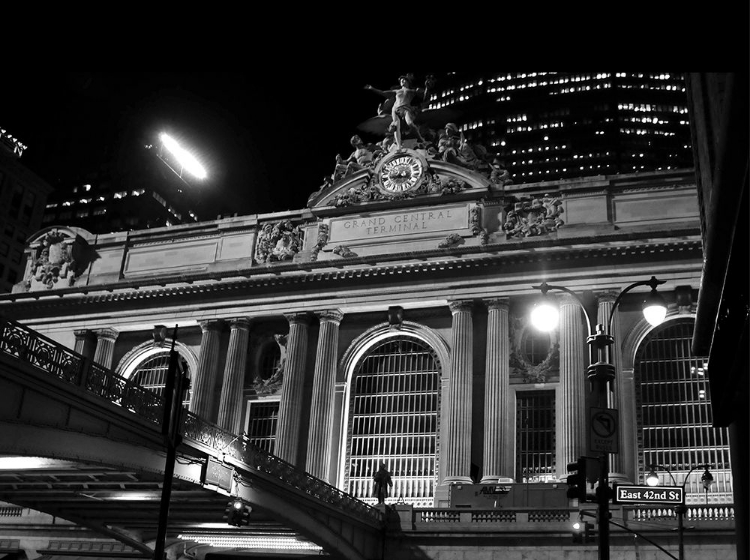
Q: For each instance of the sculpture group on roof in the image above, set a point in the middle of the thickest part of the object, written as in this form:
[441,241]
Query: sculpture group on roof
[404,123]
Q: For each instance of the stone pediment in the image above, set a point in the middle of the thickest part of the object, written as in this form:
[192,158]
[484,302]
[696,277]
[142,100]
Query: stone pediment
[402,177]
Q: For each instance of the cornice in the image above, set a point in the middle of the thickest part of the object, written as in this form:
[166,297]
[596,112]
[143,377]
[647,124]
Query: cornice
[529,250]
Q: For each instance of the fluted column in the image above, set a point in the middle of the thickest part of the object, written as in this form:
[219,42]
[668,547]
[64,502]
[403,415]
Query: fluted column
[85,343]
[202,400]
[230,403]
[105,347]
[571,396]
[324,386]
[498,438]
[458,458]
[288,430]
[606,301]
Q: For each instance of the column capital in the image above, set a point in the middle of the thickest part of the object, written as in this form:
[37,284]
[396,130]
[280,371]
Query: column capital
[603,296]
[568,299]
[302,317]
[211,324]
[330,316]
[239,323]
[459,306]
[80,333]
[108,333]
[497,303]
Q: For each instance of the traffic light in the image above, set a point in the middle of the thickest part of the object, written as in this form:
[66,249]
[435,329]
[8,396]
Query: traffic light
[577,480]
[582,532]
[237,513]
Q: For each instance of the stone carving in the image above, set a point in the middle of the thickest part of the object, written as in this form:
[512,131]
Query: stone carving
[399,102]
[499,175]
[57,257]
[521,368]
[363,157]
[344,251]
[273,383]
[451,241]
[404,124]
[453,148]
[322,241]
[531,217]
[278,242]
[474,219]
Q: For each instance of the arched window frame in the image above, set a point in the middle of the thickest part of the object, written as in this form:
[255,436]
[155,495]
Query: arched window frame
[359,349]
[130,363]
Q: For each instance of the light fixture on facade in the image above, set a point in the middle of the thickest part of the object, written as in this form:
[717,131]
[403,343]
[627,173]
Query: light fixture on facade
[654,308]
[545,314]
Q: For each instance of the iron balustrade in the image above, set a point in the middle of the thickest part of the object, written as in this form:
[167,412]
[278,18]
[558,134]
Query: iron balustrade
[44,354]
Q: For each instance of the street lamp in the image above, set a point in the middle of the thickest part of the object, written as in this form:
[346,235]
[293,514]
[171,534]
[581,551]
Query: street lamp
[601,371]
[707,479]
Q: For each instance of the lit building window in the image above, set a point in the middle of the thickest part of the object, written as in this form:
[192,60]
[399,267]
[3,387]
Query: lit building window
[393,418]
[674,411]
[263,417]
[535,436]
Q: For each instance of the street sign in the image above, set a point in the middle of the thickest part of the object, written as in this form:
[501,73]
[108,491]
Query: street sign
[603,430]
[649,494]
[218,474]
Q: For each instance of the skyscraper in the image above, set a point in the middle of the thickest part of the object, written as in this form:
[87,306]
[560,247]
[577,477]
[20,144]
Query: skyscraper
[555,125]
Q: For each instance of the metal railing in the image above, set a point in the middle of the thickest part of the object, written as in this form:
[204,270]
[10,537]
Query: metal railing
[44,354]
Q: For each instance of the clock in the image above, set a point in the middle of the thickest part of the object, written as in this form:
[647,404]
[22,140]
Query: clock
[401,172]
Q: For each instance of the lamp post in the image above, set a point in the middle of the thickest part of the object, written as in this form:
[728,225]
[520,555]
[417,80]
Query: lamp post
[707,479]
[601,372]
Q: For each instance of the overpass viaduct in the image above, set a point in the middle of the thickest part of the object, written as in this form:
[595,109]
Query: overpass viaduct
[100,459]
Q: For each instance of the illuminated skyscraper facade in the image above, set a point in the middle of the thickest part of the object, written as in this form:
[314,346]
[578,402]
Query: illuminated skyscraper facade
[549,126]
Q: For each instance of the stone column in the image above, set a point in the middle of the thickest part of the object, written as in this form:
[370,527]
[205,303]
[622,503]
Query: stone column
[288,430]
[230,404]
[324,386]
[105,347]
[570,405]
[606,301]
[498,438]
[202,401]
[85,343]
[458,457]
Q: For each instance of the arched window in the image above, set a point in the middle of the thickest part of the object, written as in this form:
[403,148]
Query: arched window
[151,373]
[394,407]
[674,413]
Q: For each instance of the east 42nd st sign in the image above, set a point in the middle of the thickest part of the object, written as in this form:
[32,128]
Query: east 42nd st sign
[649,495]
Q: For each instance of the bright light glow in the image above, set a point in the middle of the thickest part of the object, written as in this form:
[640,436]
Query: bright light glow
[266,542]
[655,314]
[133,497]
[652,479]
[186,160]
[654,310]
[25,463]
[544,316]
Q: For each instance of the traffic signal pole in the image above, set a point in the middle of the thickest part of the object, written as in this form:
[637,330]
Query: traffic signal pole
[601,374]
[603,493]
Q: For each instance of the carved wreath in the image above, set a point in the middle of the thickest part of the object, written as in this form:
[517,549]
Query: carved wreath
[278,242]
[53,260]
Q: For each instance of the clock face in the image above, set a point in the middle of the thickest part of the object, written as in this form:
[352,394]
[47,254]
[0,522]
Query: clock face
[401,173]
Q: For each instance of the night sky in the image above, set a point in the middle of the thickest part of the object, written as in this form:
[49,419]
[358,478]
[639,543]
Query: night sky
[267,137]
